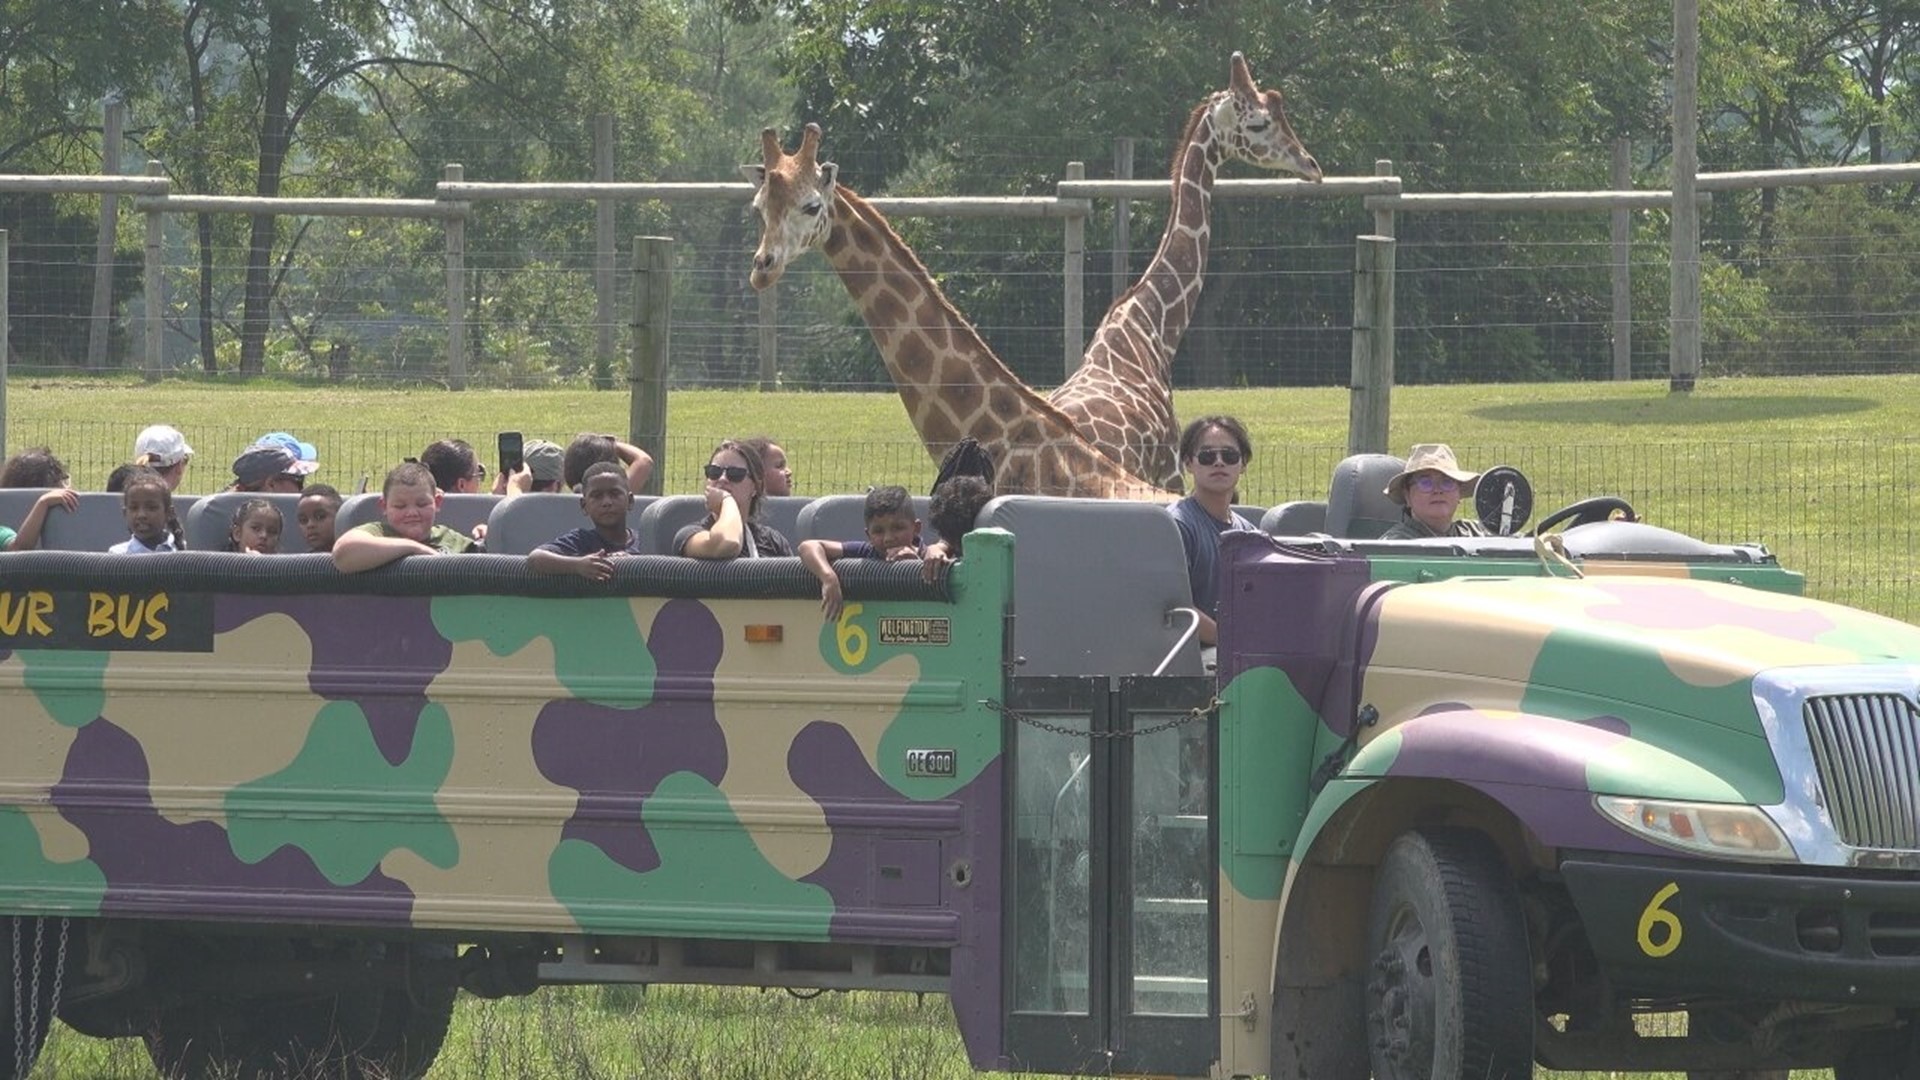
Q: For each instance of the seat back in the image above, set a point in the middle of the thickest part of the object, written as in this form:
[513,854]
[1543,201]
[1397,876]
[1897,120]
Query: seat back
[1295,519]
[1357,504]
[844,517]
[666,516]
[524,522]
[783,513]
[459,512]
[209,522]
[1097,580]
[95,525]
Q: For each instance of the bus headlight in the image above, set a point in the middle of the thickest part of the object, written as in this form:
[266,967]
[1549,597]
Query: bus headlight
[1719,830]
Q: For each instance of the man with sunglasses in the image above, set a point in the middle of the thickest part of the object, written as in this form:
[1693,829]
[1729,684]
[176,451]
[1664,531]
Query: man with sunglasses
[1429,490]
[1215,450]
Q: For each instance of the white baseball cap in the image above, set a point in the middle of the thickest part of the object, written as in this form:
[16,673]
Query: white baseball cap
[163,446]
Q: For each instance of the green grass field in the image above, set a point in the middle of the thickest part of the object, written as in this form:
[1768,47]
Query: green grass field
[1821,469]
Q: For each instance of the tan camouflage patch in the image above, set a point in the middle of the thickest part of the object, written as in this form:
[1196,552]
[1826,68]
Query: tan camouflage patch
[37,747]
[506,817]
[250,699]
[1432,629]
[1248,938]
[764,694]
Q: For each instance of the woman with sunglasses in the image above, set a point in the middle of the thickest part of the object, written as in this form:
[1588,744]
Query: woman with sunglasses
[1216,450]
[734,492]
[1429,490]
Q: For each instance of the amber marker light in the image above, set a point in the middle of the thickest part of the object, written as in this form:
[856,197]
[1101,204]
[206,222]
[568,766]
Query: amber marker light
[765,633]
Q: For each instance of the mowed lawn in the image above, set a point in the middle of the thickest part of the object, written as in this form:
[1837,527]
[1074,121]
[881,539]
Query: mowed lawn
[1837,448]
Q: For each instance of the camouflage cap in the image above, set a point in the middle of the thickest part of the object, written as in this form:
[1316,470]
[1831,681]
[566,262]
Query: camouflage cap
[544,460]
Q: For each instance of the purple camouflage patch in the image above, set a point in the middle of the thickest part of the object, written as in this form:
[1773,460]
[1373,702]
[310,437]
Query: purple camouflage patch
[615,757]
[1537,768]
[861,811]
[155,866]
[378,652]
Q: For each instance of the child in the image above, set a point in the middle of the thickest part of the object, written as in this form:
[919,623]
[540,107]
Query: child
[147,504]
[256,529]
[605,499]
[28,536]
[956,503]
[319,507]
[408,502]
[893,533]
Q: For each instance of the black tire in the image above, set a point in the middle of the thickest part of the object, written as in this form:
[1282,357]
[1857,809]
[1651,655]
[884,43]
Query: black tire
[264,1038]
[414,1016]
[1449,989]
[17,1054]
[1883,1055]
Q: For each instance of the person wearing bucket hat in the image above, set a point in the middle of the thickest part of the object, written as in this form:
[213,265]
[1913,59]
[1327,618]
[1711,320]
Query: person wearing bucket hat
[1429,490]
[306,461]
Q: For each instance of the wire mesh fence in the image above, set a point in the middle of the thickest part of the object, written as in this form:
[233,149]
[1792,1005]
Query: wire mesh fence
[1842,511]
[1796,280]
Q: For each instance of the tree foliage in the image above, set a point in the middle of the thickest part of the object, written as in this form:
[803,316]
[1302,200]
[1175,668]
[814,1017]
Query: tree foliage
[373,97]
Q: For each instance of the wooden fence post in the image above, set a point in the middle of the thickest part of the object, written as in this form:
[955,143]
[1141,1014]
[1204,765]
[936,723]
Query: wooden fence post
[1383,216]
[6,342]
[604,255]
[155,273]
[1684,317]
[1122,217]
[100,324]
[1371,391]
[456,290]
[1622,270]
[769,336]
[1073,342]
[652,339]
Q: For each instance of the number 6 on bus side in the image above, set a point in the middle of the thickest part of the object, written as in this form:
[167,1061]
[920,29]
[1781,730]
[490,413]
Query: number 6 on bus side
[850,637]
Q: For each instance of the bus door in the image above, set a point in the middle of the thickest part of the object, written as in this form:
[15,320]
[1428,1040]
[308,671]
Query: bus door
[1110,962]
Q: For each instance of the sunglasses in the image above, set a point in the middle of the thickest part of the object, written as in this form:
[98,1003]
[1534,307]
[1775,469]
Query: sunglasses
[733,473]
[1211,456]
[1432,482]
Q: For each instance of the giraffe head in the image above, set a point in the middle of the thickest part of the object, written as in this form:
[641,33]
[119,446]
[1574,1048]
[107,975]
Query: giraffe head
[794,197]
[1251,125]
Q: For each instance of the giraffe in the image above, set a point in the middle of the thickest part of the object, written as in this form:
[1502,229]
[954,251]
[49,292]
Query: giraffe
[950,382]
[1121,397]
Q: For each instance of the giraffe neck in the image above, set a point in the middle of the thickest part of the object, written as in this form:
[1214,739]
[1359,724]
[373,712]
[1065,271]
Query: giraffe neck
[1169,290]
[950,381]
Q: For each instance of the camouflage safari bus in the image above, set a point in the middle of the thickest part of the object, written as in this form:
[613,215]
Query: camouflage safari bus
[1438,809]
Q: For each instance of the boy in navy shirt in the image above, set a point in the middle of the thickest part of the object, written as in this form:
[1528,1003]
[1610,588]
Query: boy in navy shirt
[605,498]
[893,533]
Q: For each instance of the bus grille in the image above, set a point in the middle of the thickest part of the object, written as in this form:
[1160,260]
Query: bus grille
[1867,749]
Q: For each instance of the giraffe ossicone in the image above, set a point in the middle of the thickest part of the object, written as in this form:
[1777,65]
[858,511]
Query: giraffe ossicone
[1121,396]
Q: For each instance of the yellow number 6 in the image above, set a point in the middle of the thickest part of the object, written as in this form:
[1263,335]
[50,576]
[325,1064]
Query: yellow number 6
[850,636]
[1667,921]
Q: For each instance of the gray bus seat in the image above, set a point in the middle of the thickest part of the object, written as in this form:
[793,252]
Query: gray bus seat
[209,522]
[1357,504]
[1295,519]
[524,522]
[783,513]
[844,517]
[95,525]
[1099,582]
